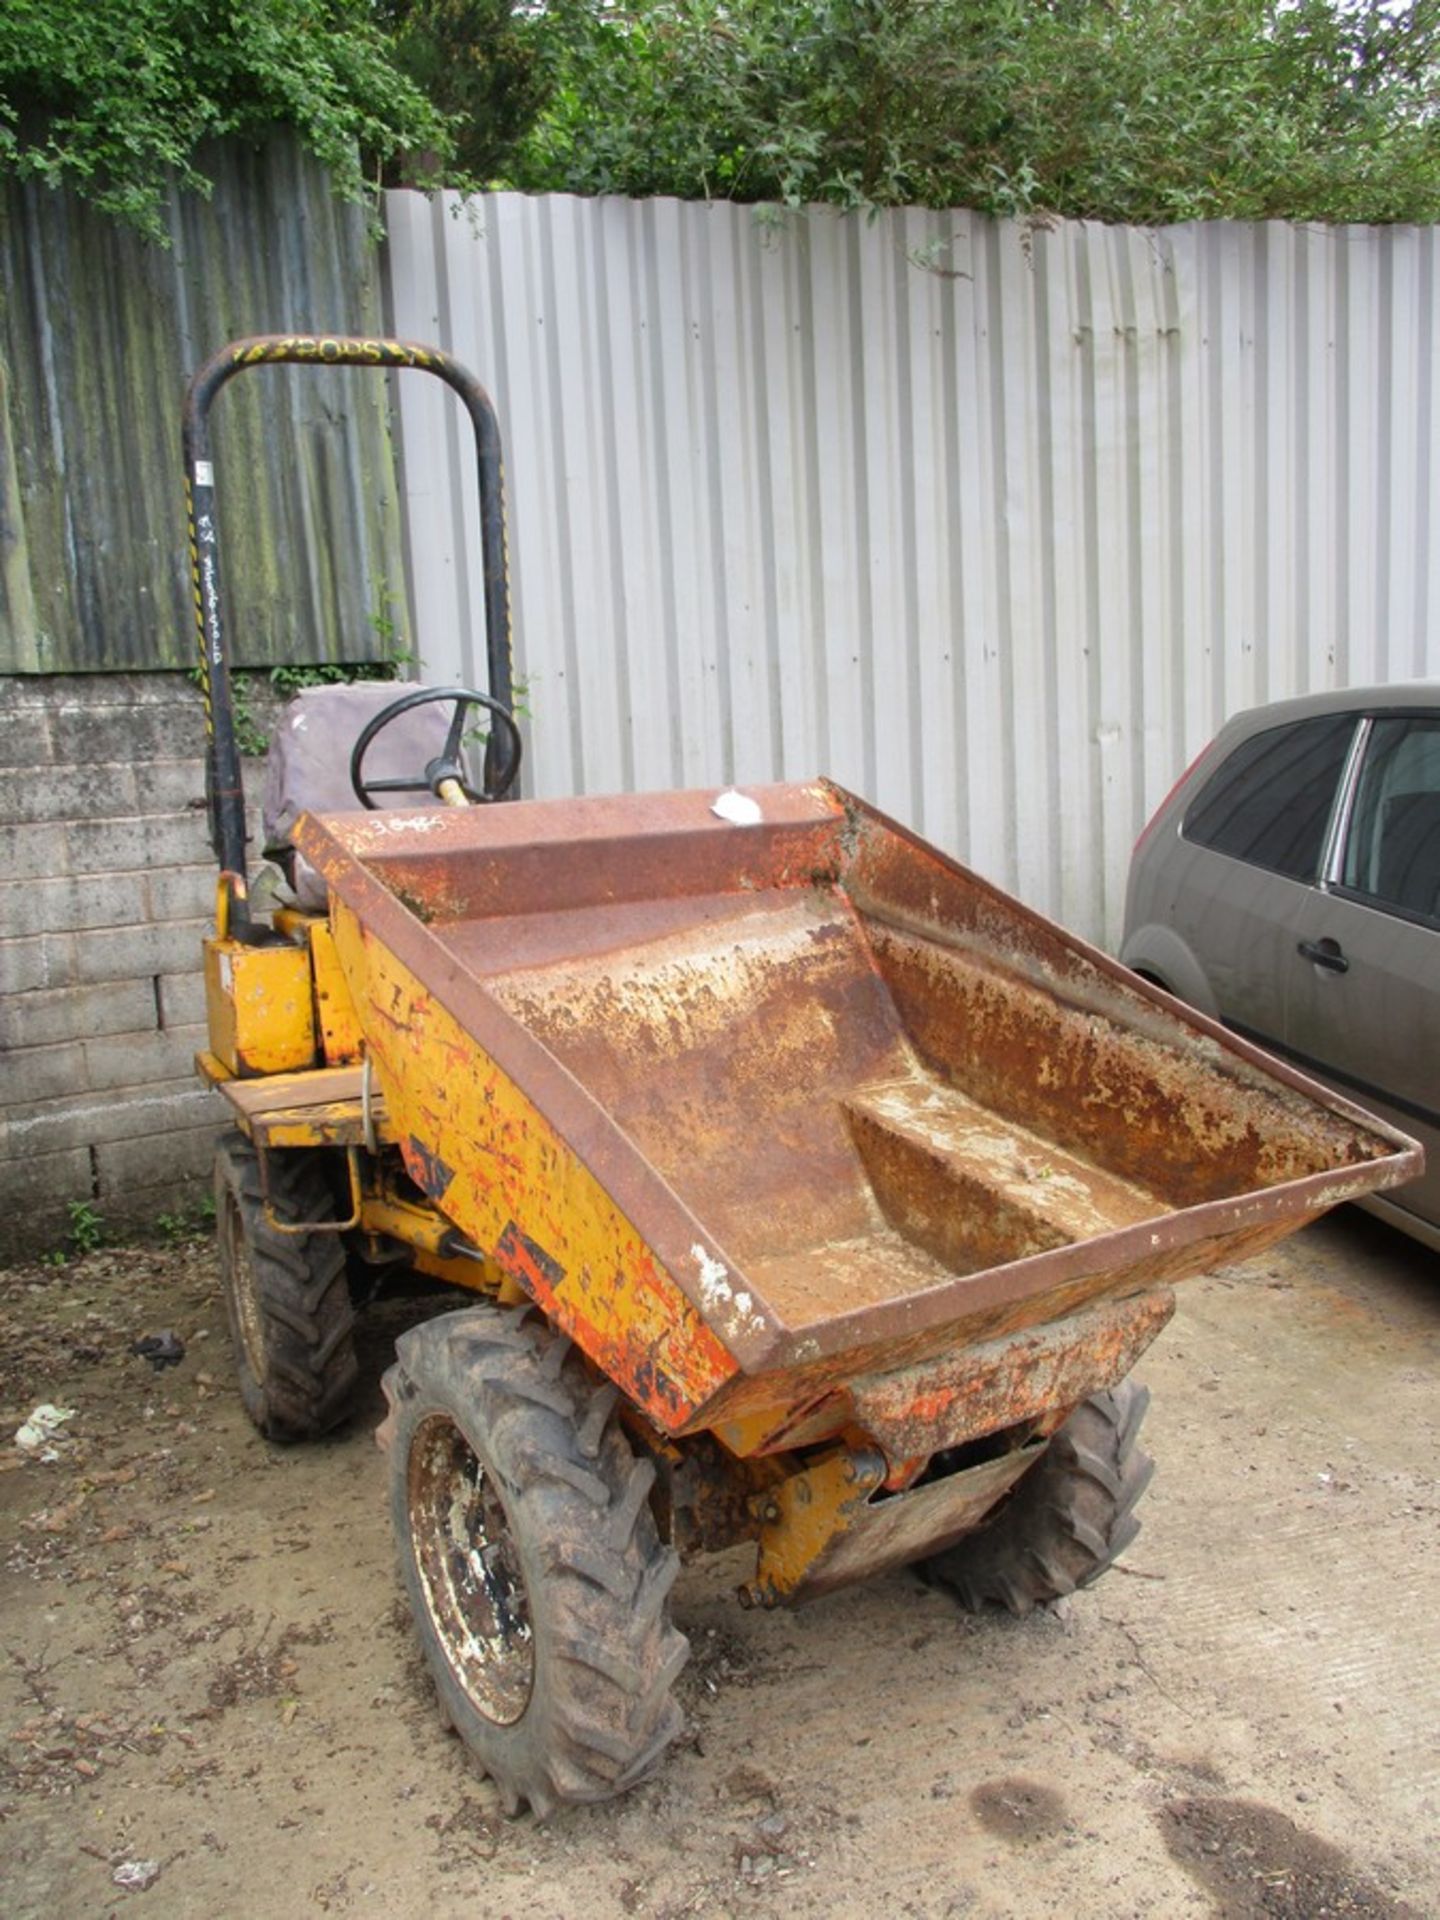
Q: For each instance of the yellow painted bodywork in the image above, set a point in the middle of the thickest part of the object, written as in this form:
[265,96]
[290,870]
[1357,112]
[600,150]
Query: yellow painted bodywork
[321,1107]
[336,1124]
[803,1514]
[425,1231]
[259,1006]
[337,1025]
[341,1039]
[501,1175]
[475,1276]
[752,1433]
[498,1169]
[419,1227]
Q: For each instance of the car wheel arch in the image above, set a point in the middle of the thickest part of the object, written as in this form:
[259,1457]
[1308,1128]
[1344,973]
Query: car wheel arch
[1159,955]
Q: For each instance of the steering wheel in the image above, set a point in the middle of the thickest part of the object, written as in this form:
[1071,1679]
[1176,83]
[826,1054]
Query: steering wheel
[501,767]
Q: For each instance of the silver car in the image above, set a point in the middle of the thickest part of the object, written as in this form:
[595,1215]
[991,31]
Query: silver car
[1290,886]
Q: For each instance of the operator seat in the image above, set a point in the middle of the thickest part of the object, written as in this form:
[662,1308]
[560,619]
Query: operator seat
[307,767]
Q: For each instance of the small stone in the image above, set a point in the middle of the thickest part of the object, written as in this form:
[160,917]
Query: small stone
[137,1875]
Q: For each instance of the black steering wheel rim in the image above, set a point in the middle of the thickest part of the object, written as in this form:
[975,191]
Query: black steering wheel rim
[502,761]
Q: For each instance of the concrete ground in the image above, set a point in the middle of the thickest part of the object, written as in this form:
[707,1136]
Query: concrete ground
[207,1667]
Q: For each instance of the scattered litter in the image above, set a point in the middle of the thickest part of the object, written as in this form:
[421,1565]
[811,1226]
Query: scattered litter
[137,1875]
[162,1350]
[42,1426]
[738,808]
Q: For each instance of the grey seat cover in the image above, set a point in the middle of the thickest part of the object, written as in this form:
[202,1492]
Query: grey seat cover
[307,768]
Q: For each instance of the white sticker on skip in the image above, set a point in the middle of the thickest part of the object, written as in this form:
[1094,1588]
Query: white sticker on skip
[738,808]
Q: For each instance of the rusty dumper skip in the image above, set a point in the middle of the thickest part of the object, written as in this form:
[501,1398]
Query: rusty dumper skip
[810,1192]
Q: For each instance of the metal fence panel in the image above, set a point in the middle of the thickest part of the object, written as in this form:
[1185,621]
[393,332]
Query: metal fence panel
[99,332]
[994,523]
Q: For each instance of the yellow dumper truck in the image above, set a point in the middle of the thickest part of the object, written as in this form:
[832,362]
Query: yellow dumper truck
[800,1189]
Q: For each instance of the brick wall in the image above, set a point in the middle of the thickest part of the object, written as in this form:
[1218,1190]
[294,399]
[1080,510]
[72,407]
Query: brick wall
[106,887]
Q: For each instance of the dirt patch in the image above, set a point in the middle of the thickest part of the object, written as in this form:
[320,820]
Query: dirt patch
[474,1831]
[1019,1810]
[206,1664]
[263,1672]
[1258,1865]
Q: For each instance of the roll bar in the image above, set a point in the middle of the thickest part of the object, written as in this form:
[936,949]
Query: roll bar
[225,797]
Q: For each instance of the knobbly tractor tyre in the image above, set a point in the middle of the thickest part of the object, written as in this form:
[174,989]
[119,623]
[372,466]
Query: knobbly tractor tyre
[530,1557]
[287,1298]
[1066,1521]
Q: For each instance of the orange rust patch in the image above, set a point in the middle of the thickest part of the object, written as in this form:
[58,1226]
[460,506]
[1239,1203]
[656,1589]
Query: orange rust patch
[496,1166]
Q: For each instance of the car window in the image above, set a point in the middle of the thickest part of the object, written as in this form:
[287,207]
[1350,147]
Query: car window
[1269,804]
[1392,849]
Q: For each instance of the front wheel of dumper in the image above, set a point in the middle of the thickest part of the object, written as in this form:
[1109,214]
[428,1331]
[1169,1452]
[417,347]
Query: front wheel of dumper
[287,1300]
[1068,1519]
[530,1558]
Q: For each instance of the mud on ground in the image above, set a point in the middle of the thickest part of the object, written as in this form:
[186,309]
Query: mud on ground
[206,1668]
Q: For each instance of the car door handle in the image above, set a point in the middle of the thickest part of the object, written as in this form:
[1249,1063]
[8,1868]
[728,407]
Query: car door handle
[1325,953]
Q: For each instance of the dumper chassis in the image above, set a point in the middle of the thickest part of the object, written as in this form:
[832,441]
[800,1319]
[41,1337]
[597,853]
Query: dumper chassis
[808,1192]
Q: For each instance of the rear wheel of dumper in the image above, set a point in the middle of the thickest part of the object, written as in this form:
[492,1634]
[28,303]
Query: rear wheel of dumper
[286,1294]
[530,1557]
[1070,1516]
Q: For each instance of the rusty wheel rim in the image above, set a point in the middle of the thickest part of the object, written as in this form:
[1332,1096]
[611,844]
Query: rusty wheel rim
[242,1291]
[469,1568]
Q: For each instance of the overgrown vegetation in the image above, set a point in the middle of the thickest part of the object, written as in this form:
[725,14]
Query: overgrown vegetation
[193,1221]
[1136,110]
[1133,110]
[113,98]
[249,687]
[488,64]
[86,1234]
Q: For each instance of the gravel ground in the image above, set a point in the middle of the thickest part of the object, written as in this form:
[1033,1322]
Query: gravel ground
[211,1702]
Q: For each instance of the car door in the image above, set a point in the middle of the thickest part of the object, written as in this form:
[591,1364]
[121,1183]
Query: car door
[1247,862]
[1362,1003]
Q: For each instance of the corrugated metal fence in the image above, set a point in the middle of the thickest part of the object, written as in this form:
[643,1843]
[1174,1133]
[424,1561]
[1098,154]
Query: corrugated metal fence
[993,523]
[99,332]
